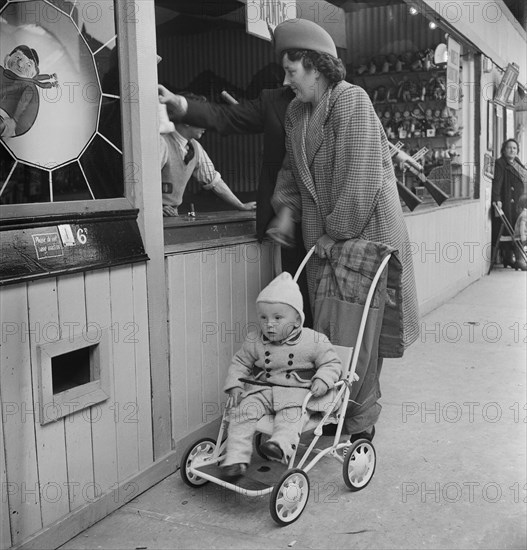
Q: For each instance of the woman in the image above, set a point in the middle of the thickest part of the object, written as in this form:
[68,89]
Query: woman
[338,177]
[508,185]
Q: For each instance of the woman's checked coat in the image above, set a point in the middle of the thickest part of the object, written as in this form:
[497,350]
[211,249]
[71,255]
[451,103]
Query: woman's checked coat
[338,178]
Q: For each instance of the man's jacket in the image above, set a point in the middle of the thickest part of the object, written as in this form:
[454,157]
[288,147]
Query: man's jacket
[264,114]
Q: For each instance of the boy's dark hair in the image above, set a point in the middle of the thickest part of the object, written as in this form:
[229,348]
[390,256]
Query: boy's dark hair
[331,67]
[28,52]
[522,202]
[191,95]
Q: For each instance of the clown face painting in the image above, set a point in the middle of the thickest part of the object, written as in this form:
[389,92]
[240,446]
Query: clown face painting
[60,104]
[20,79]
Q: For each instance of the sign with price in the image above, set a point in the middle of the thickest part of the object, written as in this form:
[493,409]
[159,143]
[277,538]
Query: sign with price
[47,245]
[45,251]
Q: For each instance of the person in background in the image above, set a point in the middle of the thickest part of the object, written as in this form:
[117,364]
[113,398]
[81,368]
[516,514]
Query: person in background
[338,180]
[182,156]
[508,185]
[264,114]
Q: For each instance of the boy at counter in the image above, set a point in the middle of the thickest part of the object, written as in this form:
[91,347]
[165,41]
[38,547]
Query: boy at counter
[182,156]
[275,369]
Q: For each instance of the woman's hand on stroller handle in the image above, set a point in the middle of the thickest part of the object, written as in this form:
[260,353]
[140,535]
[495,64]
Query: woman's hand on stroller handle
[323,246]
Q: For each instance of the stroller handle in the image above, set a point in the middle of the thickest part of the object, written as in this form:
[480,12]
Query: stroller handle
[303,264]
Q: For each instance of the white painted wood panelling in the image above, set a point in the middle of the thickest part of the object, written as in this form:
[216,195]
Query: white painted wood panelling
[17,403]
[51,438]
[103,426]
[5,531]
[450,249]
[79,458]
[211,303]
[142,367]
[125,406]
[49,471]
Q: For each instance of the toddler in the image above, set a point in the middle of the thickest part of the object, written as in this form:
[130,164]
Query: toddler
[272,374]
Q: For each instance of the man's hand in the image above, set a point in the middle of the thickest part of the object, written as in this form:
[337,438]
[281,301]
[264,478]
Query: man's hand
[177,105]
[165,95]
[318,388]
[248,206]
[235,394]
[169,211]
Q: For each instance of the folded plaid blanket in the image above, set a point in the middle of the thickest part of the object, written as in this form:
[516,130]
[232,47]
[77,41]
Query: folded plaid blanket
[346,279]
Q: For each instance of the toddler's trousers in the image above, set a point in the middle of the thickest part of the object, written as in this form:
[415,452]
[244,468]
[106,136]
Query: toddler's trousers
[288,423]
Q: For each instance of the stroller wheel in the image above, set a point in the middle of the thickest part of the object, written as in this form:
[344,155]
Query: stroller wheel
[289,497]
[359,464]
[194,456]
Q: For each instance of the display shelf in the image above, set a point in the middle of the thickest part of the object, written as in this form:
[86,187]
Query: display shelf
[410,103]
[366,75]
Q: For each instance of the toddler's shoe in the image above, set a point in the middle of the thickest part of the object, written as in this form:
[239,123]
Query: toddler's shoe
[271,450]
[233,471]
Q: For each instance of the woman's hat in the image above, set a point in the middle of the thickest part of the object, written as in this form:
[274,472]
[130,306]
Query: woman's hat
[283,290]
[301,34]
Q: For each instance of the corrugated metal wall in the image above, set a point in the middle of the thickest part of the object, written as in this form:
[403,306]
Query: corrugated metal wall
[387,29]
[229,58]
[222,59]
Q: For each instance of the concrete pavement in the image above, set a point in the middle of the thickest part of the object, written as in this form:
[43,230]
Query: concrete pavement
[451,454]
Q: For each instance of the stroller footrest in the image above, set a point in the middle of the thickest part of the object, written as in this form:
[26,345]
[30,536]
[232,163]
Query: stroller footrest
[255,479]
[265,424]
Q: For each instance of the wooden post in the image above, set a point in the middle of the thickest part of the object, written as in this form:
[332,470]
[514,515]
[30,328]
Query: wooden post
[141,147]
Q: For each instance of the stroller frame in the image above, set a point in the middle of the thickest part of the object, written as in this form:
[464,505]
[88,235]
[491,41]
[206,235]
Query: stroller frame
[505,225]
[289,496]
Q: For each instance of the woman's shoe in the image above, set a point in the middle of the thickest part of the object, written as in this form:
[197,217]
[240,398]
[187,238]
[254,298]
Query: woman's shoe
[509,259]
[520,265]
[369,435]
[361,435]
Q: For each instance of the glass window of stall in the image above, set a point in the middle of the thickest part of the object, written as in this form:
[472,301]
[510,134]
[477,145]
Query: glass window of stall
[61,149]
[421,81]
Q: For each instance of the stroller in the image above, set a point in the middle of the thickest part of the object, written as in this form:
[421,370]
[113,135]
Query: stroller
[288,484]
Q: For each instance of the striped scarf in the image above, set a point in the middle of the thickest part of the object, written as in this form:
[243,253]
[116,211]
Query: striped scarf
[40,80]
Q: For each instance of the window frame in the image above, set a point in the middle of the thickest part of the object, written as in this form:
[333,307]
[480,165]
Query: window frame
[83,396]
[72,209]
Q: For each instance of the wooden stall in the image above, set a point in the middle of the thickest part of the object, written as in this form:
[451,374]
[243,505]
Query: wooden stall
[118,324]
[77,280]
[60,456]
